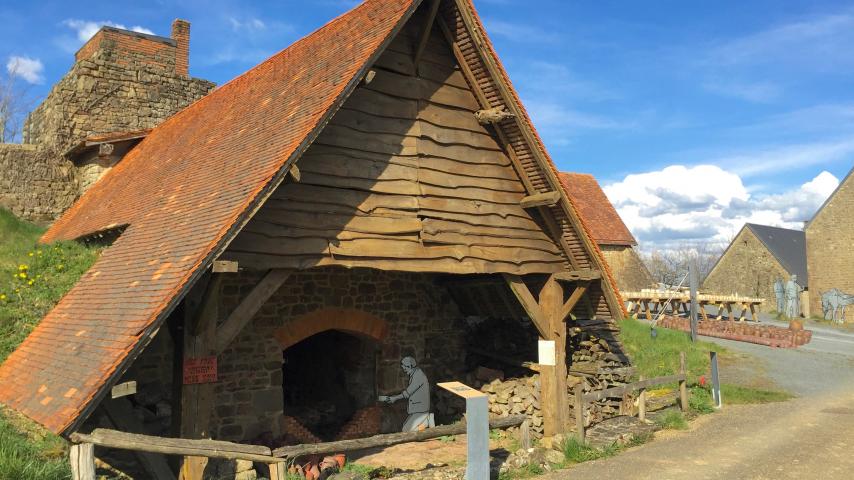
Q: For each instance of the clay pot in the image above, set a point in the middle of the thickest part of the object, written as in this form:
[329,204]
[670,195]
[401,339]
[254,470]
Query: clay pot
[796,325]
[341,459]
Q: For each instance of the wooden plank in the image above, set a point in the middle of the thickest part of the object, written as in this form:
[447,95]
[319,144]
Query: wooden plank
[278,471]
[261,261]
[224,266]
[120,413]
[388,439]
[330,221]
[450,238]
[175,446]
[425,32]
[621,390]
[272,231]
[82,459]
[413,88]
[393,248]
[193,468]
[123,389]
[435,226]
[365,202]
[250,305]
[529,303]
[379,103]
[585,275]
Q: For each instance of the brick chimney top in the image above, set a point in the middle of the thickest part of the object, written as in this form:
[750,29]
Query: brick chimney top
[181,35]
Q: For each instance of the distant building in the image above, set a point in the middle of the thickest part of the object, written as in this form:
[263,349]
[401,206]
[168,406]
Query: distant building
[757,256]
[608,231]
[830,247]
[121,85]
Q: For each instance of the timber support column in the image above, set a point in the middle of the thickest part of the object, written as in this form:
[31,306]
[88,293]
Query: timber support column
[197,398]
[551,303]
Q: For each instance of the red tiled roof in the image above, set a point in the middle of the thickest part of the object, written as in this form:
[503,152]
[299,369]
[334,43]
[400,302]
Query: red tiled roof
[182,192]
[605,225]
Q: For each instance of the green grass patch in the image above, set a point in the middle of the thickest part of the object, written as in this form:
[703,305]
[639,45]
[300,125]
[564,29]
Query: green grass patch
[736,395]
[33,278]
[672,420]
[34,456]
[578,452]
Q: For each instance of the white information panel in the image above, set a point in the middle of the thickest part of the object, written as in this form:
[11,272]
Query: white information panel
[547,352]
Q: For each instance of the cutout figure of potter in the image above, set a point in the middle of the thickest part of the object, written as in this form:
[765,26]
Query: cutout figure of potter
[418,394]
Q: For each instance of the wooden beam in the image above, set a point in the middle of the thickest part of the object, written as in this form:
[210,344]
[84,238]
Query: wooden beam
[425,32]
[247,309]
[546,199]
[554,400]
[578,275]
[388,439]
[572,301]
[529,304]
[294,171]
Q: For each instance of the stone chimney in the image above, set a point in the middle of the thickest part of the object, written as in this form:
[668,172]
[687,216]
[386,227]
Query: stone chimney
[181,35]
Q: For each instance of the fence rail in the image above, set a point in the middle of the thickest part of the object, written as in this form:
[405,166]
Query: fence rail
[82,454]
[583,399]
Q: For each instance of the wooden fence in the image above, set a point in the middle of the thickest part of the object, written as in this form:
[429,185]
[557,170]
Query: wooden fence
[583,399]
[82,454]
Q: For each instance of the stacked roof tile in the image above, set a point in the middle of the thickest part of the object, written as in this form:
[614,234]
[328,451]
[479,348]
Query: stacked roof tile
[605,225]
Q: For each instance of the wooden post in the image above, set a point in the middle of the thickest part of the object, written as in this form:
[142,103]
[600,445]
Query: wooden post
[551,303]
[278,471]
[525,435]
[642,403]
[683,387]
[82,459]
[579,412]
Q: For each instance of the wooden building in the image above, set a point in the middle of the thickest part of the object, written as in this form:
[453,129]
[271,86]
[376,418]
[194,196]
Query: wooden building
[755,259]
[285,240]
[830,253]
[607,229]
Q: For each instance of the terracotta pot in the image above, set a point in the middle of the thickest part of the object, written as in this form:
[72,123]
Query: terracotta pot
[795,324]
[341,459]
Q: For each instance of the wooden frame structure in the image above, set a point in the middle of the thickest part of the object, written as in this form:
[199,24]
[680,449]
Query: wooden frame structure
[649,303]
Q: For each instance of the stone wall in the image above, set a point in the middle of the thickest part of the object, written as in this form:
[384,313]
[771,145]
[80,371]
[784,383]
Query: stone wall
[830,248]
[746,268]
[35,183]
[106,93]
[629,270]
[422,321]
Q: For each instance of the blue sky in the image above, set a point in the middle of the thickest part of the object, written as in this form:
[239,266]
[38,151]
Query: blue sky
[696,116]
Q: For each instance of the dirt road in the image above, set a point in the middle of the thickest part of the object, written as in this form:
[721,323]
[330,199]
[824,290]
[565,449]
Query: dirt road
[810,437]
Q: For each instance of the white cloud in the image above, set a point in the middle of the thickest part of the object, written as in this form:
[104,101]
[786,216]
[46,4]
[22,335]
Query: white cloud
[519,32]
[250,24]
[758,92]
[681,205]
[780,158]
[30,69]
[86,28]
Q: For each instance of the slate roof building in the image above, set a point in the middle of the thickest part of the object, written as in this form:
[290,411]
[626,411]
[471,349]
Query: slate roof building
[830,250]
[360,193]
[608,231]
[757,256]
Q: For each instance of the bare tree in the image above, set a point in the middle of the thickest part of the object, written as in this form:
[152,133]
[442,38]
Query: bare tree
[669,266]
[13,106]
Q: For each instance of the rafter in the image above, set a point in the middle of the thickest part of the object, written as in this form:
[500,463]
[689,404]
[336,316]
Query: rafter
[425,32]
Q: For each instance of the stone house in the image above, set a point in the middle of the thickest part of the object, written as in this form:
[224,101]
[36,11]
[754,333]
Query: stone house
[608,231]
[374,191]
[121,84]
[830,250]
[757,256]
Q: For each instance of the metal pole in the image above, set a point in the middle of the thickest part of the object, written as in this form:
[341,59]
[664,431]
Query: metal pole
[716,381]
[692,270]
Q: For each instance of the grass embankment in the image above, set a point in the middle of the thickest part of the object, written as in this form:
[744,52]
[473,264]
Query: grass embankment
[32,279]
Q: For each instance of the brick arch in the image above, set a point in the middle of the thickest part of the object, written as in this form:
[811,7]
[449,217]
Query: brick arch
[350,320]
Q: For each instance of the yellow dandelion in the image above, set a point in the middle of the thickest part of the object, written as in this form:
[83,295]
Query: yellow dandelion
[38,252]
[2,296]
[22,267]
[23,274]
[31,282]
[30,254]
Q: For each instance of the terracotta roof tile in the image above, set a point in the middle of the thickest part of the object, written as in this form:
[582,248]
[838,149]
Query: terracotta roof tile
[180,192]
[600,216]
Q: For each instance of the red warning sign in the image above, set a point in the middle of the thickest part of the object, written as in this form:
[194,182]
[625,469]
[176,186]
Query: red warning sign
[199,370]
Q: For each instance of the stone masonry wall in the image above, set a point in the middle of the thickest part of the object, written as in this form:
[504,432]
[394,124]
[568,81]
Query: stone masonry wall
[35,184]
[422,321]
[830,248]
[106,93]
[746,268]
[629,270]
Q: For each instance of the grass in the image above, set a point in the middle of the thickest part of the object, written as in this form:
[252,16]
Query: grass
[32,279]
[736,395]
[672,420]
